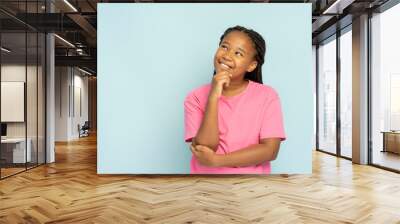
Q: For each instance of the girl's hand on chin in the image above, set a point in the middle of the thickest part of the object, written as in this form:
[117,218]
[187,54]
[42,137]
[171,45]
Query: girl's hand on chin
[220,80]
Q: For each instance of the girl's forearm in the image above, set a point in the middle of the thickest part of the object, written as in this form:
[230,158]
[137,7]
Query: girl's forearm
[249,156]
[208,134]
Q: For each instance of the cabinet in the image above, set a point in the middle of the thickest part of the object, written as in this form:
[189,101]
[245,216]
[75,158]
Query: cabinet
[391,141]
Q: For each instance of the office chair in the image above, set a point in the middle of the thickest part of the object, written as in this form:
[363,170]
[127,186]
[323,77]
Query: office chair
[84,130]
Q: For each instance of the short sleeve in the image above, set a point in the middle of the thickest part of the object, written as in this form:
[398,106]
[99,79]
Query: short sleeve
[272,121]
[193,116]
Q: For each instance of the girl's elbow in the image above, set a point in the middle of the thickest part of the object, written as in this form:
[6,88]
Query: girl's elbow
[275,155]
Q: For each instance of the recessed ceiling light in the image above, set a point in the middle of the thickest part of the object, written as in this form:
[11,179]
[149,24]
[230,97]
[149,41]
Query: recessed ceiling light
[84,71]
[5,50]
[64,40]
[70,5]
[337,7]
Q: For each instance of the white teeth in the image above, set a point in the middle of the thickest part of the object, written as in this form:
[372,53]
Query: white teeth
[224,65]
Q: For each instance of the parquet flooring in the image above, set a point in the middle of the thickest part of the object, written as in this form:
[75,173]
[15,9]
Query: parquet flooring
[10,171]
[70,191]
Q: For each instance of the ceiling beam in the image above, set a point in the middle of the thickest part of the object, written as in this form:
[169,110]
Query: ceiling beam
[85,25]
[85,61]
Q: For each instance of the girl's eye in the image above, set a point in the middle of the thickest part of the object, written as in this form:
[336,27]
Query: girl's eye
[239,54]
[224,47]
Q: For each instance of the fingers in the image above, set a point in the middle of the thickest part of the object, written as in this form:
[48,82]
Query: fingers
[223,74]
[223,78]
[226,83]
[197,149]
[220,81]
[201,147]
[193,149]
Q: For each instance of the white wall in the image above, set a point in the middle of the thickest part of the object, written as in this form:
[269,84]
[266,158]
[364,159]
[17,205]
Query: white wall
[71,94]
[61,103]
[80,110]
[15,72]
[33,127]
[9,73]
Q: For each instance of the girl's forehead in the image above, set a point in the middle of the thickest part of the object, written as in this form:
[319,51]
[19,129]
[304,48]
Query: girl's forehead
[238,38]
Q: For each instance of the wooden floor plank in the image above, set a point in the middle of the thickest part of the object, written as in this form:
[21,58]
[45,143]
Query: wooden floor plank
[70,191]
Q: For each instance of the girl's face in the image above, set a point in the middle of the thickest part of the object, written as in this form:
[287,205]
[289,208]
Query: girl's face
[236,55]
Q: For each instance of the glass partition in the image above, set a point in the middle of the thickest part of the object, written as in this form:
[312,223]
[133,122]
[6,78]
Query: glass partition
[327,96]
[14,153]
[346,93]
[22,77]
[385,90]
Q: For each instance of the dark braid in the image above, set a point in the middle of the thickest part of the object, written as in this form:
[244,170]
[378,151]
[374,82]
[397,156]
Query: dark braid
[259,46]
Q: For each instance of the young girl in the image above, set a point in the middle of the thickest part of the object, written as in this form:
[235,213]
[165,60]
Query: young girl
[235,123]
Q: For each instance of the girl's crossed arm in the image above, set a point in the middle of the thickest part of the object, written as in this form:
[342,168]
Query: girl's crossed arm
[266,150]
[252,155]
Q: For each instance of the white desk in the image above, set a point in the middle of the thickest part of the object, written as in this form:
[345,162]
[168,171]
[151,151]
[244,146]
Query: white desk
[19,149]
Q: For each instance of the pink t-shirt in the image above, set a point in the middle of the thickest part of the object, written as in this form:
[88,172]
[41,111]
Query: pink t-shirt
[243,120]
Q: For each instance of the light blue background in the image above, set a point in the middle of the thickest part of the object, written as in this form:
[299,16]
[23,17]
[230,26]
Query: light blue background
[151,55]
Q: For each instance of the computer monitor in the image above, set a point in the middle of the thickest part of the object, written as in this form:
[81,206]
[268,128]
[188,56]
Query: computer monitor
[3,129]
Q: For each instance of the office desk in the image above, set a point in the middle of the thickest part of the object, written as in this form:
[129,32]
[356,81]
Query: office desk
[15,148]
[391,141]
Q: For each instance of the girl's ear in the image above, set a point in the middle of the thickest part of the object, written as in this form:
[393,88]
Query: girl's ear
[252,66]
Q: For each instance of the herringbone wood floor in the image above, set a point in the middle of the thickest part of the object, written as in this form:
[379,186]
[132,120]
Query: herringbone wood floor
[70,191]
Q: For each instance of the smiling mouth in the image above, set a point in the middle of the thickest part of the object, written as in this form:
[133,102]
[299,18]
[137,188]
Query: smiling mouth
[225,66]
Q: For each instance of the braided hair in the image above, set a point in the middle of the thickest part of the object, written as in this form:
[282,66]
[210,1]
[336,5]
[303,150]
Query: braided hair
[259,46]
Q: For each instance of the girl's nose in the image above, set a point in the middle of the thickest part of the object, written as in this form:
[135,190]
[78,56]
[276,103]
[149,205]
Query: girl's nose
[227,56]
